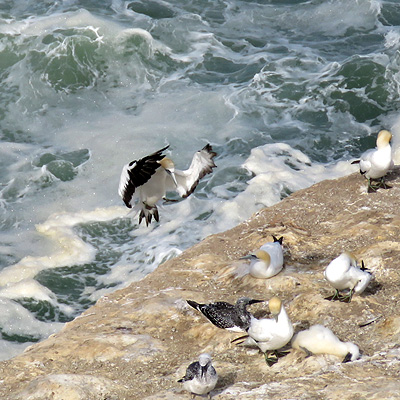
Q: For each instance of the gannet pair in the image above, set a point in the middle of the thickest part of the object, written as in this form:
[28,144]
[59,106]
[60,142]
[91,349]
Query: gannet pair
[376,163]
[227,316]
[200,377]
[343,273]
[149,178]
[267,261]
[270,334]
[321,340]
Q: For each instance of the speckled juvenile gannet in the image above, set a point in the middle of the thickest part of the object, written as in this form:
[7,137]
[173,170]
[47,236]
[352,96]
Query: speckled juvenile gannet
[343,273]
[375,163]
[200,377]
[321,340]
[271,334]
[268,260]
[227,316]
[149,178]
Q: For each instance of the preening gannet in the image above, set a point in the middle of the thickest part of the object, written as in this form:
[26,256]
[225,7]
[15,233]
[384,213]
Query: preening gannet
[271,334]
[375,163]
[321,340]
[227,316]
[200,377]
[343,273]
[149,178]
[268,260]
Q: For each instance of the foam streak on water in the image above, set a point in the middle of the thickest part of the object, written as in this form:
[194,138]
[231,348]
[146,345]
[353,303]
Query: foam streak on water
[287,92]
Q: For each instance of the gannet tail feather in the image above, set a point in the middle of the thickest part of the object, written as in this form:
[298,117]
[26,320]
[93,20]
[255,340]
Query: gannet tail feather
[280,240]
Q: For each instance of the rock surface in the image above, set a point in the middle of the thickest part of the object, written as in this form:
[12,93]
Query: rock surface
[137,342]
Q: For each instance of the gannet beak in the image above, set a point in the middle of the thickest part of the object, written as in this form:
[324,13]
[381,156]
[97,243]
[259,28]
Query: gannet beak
[249,257]
[256,301]
[172,175]
[203,371]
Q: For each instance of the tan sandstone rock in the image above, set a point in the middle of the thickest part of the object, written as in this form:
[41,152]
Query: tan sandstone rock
[137,342]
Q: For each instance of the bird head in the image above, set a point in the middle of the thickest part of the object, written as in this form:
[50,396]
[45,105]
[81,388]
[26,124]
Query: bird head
[169,168]
[383,139]
[247,301]
[204,360]
[264,256]
[275,305]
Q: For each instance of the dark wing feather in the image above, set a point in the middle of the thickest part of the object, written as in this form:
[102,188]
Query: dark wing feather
[221,314]
[191,371]
[137,173]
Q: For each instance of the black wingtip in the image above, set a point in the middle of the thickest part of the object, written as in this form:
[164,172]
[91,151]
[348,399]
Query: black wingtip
[208,148]
[280,240]
[193,304]
[355,162]
[347,358]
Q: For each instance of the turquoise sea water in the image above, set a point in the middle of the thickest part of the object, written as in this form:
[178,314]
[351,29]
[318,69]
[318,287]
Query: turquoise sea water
[286,91]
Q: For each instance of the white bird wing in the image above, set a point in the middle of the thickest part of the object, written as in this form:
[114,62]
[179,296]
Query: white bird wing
[202,164]
[274,249]
[137,173]
[365,161]
[262,330]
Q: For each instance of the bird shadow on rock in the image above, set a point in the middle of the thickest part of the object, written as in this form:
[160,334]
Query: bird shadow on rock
[373,287]
[393,175]
[224,381]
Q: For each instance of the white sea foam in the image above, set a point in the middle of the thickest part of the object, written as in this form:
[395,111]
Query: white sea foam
[69,247]
[279,169]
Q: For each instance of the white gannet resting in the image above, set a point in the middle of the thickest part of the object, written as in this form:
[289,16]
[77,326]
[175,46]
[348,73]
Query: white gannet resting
[224,315]
[267,261]
[321,340]
[200,377]
[271,334]
[149,178]
[375,163]
[343,273]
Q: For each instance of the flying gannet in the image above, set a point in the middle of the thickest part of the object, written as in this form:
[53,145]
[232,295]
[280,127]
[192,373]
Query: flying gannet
[267,261]
[270,334]
[200,377]
[227,316]
[147,180]
[343,273]
[375,163]
[319,339]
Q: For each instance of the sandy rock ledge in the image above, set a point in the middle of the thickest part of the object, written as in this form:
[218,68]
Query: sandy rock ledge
[137,342]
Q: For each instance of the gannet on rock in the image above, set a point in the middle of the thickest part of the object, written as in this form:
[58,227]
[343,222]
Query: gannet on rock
[376,163]
[271,334]
[267,261]
[234,318]
[321,340]
[200,377]
[147,180]
[343,273]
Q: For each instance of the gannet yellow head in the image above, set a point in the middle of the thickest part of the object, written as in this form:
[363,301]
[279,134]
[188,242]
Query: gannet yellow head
[264,256]
[275,305]
[167,164]
[384,137]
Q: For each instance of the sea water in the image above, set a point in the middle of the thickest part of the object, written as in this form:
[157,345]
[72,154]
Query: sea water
[286,91]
